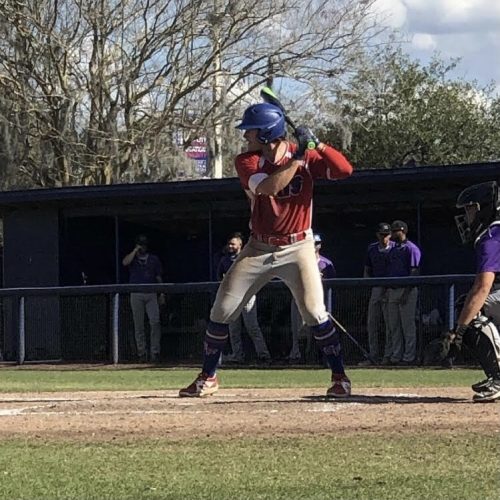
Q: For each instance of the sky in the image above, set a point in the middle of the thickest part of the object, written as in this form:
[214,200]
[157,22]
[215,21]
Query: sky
[469,29]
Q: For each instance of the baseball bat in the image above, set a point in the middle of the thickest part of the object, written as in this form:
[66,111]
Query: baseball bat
[365,353]
[270,97]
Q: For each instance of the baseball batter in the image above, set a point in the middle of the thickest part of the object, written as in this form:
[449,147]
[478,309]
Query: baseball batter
[277,176]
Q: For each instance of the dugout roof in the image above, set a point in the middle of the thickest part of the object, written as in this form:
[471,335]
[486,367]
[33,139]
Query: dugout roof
[406,184]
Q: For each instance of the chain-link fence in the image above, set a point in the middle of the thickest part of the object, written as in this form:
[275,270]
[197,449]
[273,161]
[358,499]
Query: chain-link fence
[94,323]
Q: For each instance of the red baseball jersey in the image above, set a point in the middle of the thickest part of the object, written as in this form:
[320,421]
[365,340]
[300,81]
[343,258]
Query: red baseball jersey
[290,211]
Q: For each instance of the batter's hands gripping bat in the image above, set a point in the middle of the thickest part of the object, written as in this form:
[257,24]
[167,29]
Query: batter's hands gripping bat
[270,97]
[365,353]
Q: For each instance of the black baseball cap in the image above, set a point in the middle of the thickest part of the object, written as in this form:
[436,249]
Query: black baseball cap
[383,228]
[141,239]
[399,225]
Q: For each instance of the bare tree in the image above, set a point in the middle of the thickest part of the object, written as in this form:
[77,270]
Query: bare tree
[104,91]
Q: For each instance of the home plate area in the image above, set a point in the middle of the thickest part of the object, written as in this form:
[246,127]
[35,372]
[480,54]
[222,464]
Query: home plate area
[237,413]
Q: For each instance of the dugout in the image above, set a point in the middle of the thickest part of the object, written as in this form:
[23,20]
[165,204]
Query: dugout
[52,235]
[56,236]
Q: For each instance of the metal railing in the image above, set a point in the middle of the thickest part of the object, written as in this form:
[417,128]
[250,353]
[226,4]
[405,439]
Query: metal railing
[94,323]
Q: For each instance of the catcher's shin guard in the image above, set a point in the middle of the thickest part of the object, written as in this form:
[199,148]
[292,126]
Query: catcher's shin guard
[483,339]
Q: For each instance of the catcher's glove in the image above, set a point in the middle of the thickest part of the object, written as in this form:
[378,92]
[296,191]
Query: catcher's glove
[442,350]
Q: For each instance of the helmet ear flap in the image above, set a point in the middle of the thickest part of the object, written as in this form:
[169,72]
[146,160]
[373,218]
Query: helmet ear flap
[261,137]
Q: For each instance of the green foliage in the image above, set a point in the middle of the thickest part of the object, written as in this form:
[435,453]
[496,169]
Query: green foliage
[400,112]
[360,466]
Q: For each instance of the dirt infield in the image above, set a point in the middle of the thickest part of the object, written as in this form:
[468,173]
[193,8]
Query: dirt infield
[233,413]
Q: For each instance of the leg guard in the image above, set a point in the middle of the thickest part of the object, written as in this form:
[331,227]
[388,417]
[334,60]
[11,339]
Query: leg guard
[483,339]
[216,337]
[327,338]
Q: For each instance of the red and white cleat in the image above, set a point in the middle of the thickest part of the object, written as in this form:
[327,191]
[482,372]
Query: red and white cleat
[203,385]
[341,387]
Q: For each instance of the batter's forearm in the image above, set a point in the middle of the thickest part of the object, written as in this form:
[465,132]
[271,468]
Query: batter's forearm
[279,179]
[338,164]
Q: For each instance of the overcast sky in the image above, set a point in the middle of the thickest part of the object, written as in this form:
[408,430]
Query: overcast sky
[469,29]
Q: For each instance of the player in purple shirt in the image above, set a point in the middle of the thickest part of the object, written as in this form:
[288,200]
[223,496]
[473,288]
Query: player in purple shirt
[248,314]
[327,271]
[376,263]
[403,260]
[326,268]
[144,267]
[479,319]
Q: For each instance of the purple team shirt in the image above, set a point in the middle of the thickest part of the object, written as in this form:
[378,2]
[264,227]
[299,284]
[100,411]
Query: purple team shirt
[377,259]
[224,264]
[326,268]
[145,271]
[402,259]
[488,251]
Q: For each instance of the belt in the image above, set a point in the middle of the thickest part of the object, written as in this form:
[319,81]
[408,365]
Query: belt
[279,240]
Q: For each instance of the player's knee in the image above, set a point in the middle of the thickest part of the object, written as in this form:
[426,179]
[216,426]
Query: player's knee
[483,339]
[225,313]
[327,337]
[492,310]
[313,316]
[216,335]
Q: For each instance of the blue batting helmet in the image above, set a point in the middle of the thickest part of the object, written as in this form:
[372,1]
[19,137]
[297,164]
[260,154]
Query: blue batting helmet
[267,118]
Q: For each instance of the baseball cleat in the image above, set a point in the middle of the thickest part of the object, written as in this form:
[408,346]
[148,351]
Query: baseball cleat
[202,386]
[341,386]
[483,385]
[491,393]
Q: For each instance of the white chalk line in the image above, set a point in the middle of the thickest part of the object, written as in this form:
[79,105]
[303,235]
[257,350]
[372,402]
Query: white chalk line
[39,410]
[9,412]
[24,412]
[327,407]
[173,395]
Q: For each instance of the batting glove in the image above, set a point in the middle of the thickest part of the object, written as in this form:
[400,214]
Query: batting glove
[305,140]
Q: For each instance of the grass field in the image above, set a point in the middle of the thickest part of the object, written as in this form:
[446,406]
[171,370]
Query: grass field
[366,467]
[397,464]
[142,379]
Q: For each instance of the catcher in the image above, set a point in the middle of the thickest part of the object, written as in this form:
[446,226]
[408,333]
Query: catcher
[480,315]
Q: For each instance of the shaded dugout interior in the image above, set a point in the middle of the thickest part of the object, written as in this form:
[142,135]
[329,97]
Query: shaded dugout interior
[52,236]
[70,235]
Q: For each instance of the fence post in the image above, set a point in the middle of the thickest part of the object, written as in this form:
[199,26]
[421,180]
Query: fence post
[21,355]
[451,306]
[329,301]
[114,328]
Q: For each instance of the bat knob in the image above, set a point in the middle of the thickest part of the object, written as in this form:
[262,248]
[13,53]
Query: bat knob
[311,145]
